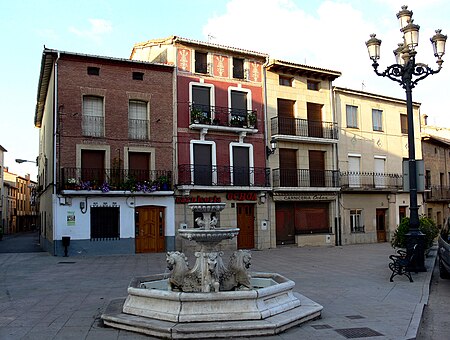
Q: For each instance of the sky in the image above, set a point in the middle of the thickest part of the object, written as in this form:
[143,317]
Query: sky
[328,34]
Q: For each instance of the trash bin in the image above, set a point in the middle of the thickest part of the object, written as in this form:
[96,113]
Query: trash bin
[66,244]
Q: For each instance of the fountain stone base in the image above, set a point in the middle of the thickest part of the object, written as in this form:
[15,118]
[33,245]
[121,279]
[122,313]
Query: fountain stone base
[269,309]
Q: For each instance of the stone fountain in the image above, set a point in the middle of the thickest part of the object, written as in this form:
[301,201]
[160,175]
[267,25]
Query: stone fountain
[210,299]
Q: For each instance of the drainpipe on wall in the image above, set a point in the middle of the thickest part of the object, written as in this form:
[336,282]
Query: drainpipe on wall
[55,121]
[337,219]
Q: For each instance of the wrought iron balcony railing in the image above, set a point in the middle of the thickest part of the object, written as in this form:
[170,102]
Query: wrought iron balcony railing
[303,128]
[437,193]
[297,178]
[115,179]
[222,116]
[370,180]
[202,175]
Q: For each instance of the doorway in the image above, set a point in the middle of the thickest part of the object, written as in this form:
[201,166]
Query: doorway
[246,224]
[381,225]
[285,223]
[149,226]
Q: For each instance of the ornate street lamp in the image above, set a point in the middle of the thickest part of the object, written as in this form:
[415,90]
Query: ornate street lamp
[408,73]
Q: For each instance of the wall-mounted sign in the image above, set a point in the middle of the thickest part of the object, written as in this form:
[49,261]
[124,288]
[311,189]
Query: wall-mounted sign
[302,197]
[71,218]
[196,199]
[242,196]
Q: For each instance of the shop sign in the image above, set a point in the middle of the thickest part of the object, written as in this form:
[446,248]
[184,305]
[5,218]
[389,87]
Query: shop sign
[241,196]
[303,197]
[196,199]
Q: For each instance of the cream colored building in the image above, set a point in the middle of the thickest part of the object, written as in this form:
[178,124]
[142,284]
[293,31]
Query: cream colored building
[304,165]
[373,144]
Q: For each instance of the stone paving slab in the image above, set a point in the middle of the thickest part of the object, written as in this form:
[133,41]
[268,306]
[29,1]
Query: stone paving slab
[47,297]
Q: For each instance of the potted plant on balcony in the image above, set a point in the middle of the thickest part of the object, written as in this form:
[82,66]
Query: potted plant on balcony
[163,182]
[235,121]
[251,119]
[196,115]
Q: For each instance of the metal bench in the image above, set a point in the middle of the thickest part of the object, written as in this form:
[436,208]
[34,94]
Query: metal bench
[400,264]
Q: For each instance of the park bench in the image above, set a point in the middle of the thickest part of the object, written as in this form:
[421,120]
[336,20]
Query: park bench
[400,263]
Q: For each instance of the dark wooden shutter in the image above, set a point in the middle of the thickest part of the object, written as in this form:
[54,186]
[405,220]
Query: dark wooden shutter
[239,104]
[202,164]
[311,218]
[139,165]
[286,121]
[201,99]
[241,166]
[317,168]
[314,112]
[93,166]
[288,168]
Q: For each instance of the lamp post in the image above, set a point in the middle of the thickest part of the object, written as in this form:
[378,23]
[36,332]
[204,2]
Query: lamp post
[408,73]
[20,161]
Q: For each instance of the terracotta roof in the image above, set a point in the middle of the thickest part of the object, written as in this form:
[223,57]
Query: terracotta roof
[301,69]
[374,95]
[174,39]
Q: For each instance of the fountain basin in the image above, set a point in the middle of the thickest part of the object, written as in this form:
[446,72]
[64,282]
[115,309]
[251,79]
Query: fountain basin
[269,309]
[208,236]
[273,296]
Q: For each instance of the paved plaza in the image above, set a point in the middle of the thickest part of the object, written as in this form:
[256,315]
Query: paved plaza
[47,297]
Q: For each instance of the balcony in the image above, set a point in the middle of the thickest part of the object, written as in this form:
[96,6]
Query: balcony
[305,178]
[93,126]
[220,118]
[138,129]
[107,180]
[370,181]
[437,193]
[304,130]
[222,176]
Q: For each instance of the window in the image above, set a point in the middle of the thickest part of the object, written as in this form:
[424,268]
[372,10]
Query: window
[201,101]
[238,108]
[93,116]
[241,166]
[356,221]
[379,176]
[286,120]
[377,120]
[137,120]
[139,166]
[238,68]
[354,171]
[313,85]
[105,223]
[93,71]
[92,168]
[202,164]
[138,76]
[285,81]
[427,179]
[201,62]
[352,116]
[404,123]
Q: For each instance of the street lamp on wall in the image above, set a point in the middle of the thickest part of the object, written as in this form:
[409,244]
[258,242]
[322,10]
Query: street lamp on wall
[270,150]
[20,161]
[408,73]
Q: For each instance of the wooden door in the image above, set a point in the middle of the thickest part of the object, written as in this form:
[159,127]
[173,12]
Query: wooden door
[202,164]
[246,224]
[314,112]
[381,225]
[92,166]
[241,166]
[316,168]
[285,223]
[401,213]
[149,224]
[286,121]
[288,168]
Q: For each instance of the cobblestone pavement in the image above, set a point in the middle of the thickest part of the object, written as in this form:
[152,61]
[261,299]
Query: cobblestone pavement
[47,297]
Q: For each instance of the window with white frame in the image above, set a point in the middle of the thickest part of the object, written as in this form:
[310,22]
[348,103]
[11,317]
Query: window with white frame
[356,221]
[377,120]
[352,116]
[238,68]
[138,120]
[93,116]
[354,171]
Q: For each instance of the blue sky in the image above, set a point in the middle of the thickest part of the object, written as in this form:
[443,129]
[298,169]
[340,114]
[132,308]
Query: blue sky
[328,34]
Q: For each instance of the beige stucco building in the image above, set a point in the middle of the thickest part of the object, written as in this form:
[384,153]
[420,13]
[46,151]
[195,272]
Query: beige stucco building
[304,165]
[373,145]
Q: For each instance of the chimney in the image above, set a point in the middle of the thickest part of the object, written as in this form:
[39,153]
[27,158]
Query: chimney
[423,120]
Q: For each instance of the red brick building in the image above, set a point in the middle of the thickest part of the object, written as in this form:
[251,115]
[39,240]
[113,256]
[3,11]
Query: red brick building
[106,154]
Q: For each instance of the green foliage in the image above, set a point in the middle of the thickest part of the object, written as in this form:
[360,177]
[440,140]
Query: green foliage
[426,226]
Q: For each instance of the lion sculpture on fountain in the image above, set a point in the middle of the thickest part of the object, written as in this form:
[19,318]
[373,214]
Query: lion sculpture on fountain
[236,276]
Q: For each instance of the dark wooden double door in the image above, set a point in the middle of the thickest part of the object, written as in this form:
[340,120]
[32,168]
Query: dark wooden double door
[246,224]
[290,176]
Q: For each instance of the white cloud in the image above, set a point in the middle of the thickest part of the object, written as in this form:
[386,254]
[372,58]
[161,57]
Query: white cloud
[333,36]
[98,28]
